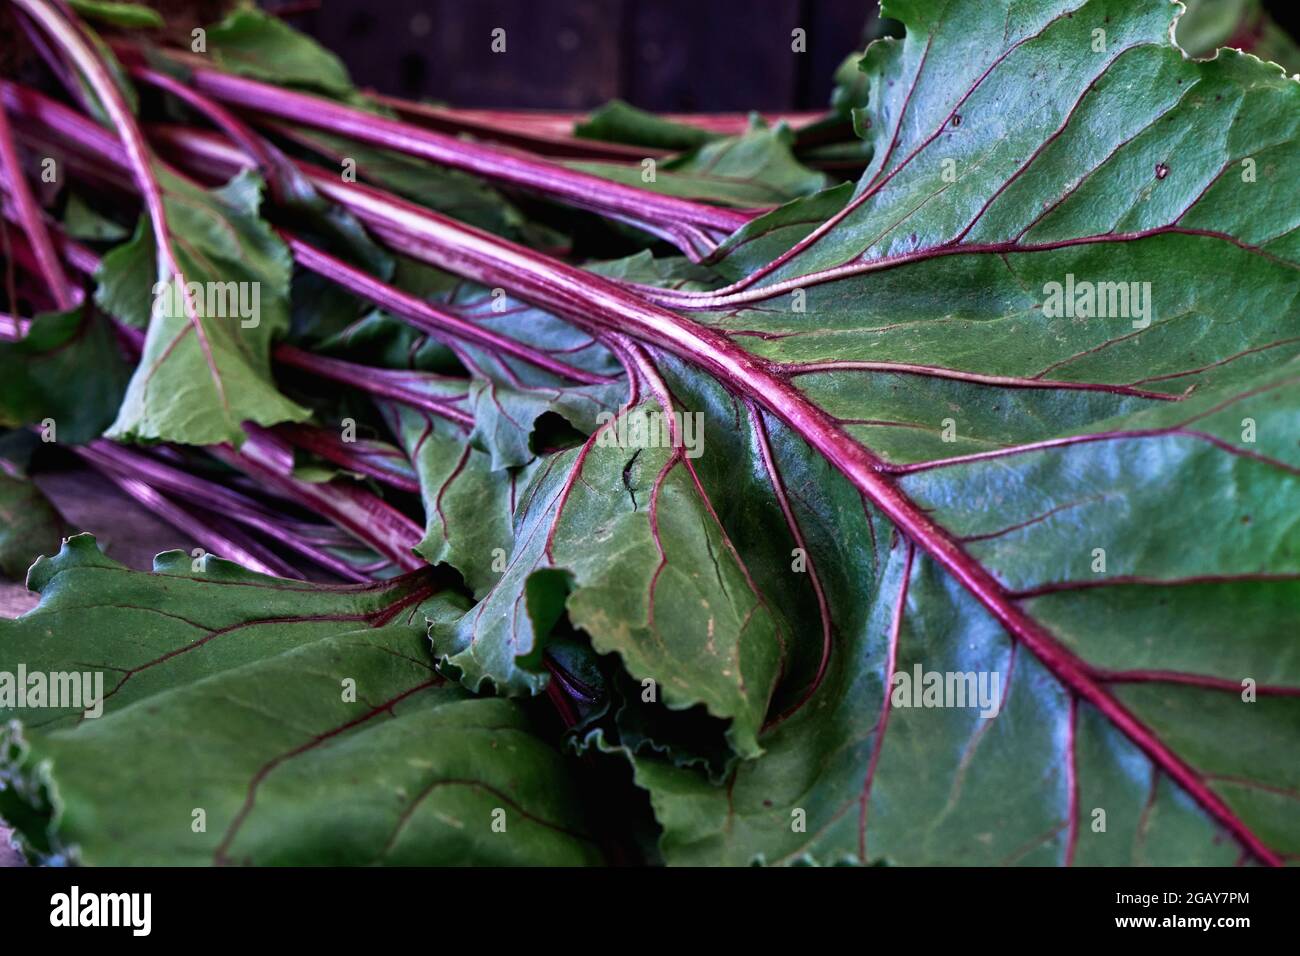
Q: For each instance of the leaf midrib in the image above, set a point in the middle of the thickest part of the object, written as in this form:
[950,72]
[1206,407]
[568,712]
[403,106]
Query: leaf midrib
[591,299]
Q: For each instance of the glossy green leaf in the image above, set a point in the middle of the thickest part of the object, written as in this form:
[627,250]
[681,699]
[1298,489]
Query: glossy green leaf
[1082,503]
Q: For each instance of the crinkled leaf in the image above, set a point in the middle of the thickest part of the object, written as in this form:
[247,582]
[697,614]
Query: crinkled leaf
[506,415]
[851,92]
[681,738]
[618,535]
[512,400]
[845,777]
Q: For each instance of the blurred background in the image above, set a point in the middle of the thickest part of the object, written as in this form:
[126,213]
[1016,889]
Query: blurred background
[673,55]
[668,55]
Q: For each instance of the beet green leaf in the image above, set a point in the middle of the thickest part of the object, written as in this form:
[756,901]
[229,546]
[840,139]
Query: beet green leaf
[1102,483]
[269,722]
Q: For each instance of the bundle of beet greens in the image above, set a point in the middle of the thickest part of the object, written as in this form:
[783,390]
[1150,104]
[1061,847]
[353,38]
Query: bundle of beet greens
[915,483]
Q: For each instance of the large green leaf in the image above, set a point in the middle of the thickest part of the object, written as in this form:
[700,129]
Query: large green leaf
[1085,505]
[944,785]
[306,723]
[152,632]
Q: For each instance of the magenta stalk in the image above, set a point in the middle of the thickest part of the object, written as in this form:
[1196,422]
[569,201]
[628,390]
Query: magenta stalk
[694,228]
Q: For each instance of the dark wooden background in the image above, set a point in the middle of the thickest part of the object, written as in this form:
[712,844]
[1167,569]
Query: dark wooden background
[670,55]
[665,55]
